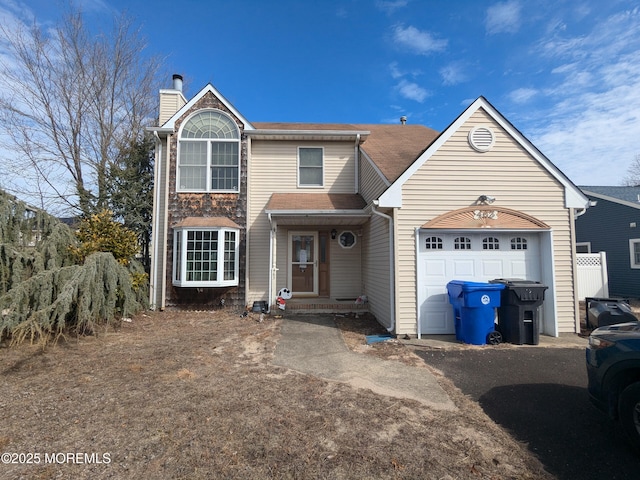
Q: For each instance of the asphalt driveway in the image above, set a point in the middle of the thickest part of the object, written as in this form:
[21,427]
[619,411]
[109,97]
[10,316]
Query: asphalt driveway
[539,395]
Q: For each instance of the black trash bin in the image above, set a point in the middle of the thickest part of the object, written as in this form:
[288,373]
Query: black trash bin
[519,310]
[607,311]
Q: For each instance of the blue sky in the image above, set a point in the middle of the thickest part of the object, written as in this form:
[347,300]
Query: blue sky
[566,73]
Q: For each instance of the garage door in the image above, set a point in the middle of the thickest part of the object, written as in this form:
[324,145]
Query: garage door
[473,256]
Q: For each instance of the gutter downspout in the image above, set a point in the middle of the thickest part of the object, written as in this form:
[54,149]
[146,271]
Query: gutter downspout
[156,206]
[356,158]
[271,265]
[166,228]
[392,300]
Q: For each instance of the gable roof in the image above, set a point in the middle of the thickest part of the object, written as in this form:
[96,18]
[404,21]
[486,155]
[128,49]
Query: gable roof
[574,198]
[628,196]
[169,125]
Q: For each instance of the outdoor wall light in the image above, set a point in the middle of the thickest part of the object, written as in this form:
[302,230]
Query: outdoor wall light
[486,199]
[334,232]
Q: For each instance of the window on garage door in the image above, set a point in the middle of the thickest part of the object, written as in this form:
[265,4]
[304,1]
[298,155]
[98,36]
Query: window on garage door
[518,243]
[462,243]
[490,243]
[433,243]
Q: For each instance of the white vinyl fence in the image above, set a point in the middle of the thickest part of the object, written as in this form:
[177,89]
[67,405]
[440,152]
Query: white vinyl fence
[592,275]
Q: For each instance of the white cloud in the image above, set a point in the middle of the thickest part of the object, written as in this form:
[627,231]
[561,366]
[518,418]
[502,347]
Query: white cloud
[591,127]
[395,70]
[421,42]
[503,18]
[391,6]
[452,74]
[412,91]
[595,141]
[522,95]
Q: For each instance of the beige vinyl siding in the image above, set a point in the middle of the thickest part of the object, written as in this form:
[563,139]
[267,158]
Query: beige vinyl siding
[170,102]
[274,169]
[454,177]
[375,268]
[372,185]
[345,267]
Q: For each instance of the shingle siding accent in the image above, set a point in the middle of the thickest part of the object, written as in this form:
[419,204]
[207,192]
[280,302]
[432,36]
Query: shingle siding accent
[230,205]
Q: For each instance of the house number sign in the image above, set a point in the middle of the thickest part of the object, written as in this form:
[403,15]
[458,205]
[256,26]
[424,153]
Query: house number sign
[482,214]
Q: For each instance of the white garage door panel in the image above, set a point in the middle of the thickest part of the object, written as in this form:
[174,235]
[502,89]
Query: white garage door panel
[463,268]
[435,268]
[493,268]
[437,308]
[438,266]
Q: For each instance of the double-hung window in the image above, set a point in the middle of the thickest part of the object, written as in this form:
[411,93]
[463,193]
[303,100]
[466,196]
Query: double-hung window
[205,257]
[634,252]
[208,154]
[310,167]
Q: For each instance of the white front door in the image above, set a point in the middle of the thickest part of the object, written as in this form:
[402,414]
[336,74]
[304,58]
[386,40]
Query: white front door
[303,263]
[472,256]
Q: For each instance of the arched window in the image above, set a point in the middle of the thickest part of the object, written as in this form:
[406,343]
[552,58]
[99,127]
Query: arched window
[462,243]
[208,153]
[433,243]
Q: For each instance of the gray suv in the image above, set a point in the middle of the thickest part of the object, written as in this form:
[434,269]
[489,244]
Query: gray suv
[613,369]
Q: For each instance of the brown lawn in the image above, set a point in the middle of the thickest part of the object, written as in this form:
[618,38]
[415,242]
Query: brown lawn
[193,395]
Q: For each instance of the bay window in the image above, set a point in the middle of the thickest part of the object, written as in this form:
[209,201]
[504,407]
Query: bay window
[205,257]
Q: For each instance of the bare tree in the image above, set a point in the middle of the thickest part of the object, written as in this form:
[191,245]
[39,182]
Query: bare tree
[70,102]
[633,173]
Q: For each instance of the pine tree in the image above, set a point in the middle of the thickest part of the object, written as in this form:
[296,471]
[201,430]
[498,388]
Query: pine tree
[130,189]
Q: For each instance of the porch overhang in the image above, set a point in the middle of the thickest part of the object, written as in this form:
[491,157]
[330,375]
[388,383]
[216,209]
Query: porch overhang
[317,209]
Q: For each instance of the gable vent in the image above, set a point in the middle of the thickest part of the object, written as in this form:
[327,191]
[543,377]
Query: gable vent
[481,139]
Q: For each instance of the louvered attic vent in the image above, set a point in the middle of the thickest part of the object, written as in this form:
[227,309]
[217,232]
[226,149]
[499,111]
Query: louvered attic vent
[481,139]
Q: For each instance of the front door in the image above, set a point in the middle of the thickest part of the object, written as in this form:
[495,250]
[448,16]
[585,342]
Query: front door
[303,264]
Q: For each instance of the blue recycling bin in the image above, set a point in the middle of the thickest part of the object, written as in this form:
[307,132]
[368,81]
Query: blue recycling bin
[474,305]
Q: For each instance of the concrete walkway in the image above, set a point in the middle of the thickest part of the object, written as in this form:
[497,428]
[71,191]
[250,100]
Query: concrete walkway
[312,344]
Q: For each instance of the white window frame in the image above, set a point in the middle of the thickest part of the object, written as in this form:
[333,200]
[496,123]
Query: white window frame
[208,168]
[303,185]
[180,258]
[584,244]
[355,239]
[632,260]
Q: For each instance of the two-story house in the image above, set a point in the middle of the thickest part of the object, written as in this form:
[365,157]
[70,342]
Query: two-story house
[337,211]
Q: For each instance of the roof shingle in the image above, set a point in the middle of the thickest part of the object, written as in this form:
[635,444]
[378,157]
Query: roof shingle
[315,201]
[393,148]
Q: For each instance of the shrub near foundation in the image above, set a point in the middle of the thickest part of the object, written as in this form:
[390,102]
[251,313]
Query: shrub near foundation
[57,285]
[101,233]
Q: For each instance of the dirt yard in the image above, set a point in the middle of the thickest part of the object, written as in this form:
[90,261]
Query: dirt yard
[193,395]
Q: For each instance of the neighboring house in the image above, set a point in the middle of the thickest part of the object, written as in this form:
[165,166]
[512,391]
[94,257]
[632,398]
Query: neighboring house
[336,211]
[612,225]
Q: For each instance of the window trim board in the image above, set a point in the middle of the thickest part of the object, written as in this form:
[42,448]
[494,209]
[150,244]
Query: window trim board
[298,166]
[180,260]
